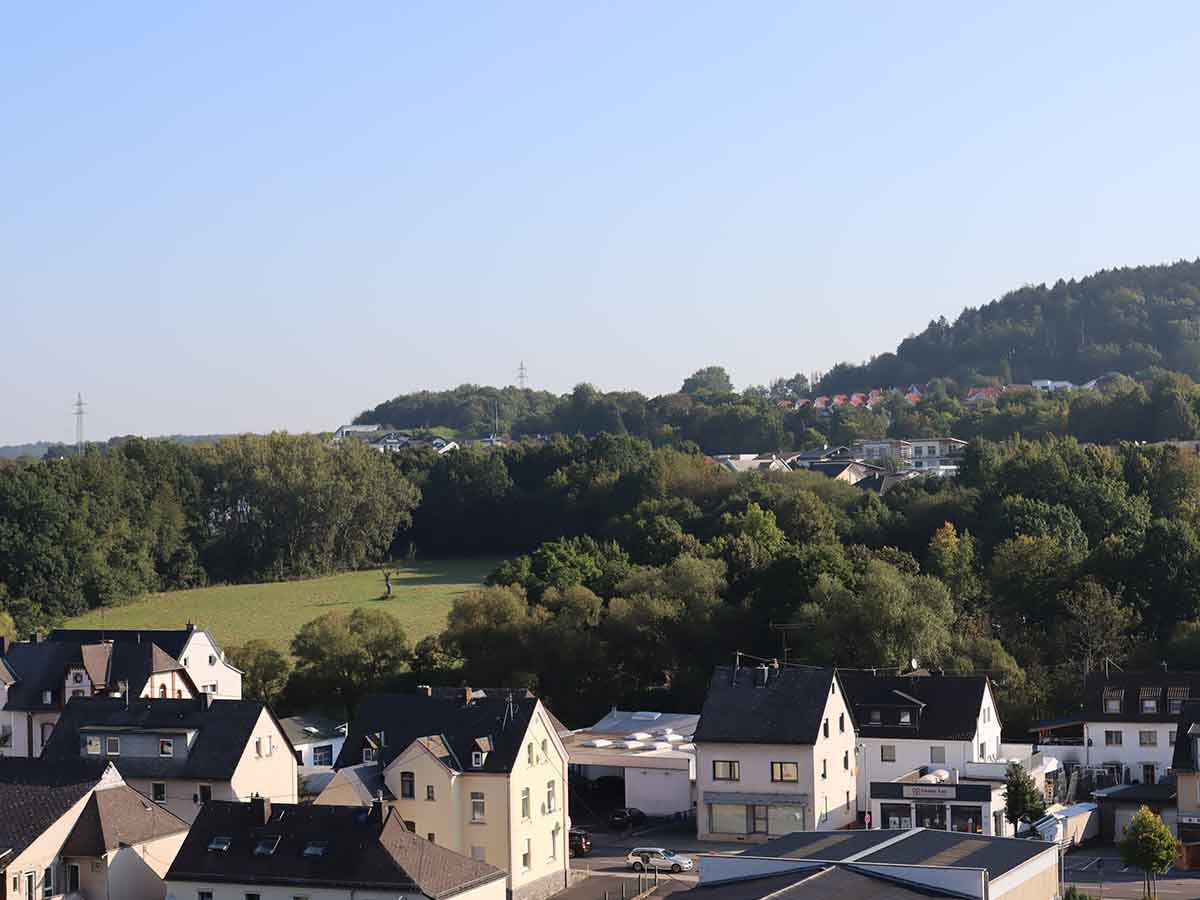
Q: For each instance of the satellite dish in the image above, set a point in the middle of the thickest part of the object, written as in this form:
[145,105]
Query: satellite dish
[913,662]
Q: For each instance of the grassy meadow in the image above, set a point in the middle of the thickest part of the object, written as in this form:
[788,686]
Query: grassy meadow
[422,593]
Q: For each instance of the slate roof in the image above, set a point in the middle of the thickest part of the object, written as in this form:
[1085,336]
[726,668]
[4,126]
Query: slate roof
[223,731]
[1185,745]
[361,852]
[42,666]
[296,728]
[1137,793]
[817,883]
[786,711]
[950,709]
[1129,688]
[34,794]
[172,640]
[405,717]
[118,815]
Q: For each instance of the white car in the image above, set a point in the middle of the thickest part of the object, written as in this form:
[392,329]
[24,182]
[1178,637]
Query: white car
[644,858]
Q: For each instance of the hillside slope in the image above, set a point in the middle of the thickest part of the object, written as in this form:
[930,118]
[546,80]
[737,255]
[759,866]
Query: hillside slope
[1125,320]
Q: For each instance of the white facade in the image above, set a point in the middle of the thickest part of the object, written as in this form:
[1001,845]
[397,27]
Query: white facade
[755,803]
[205,663]
[326,750]
[190,890]
[1140,748]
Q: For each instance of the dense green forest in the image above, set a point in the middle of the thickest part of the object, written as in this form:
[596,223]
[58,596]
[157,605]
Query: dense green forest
[633,569]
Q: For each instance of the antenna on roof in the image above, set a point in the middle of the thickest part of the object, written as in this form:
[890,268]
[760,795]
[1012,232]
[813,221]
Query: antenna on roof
[510,712]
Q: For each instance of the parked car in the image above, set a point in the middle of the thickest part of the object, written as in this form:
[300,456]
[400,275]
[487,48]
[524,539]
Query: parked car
[626,817]
[579,842]
[644,858]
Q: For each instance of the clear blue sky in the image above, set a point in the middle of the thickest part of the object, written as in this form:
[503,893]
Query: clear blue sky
[247,216]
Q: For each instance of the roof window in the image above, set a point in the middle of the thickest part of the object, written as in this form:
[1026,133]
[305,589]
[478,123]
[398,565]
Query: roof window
[316,849]
[265,846]
[220,844]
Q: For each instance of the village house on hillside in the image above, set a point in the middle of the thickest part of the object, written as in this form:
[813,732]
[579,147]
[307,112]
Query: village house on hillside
[77,830]
[481,773]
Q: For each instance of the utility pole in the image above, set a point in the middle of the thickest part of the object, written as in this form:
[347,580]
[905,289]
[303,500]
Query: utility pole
[79,414]
[522,376]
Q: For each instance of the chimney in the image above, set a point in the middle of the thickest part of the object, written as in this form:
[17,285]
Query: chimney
[425,690]
[377,809]
[206,700]
[260,810]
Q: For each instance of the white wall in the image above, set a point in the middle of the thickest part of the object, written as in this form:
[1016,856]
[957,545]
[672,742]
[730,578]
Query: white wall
[187,890]
[658,792]
[195,658]
[909,755]
[1130,753]
[306,749]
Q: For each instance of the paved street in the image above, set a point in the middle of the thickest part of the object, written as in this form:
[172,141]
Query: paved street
[1090,869]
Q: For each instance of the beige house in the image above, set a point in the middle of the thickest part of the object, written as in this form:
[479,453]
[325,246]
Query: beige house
[482,775]
[182,753]
[1185,766]
[77,829]
[774,754]
[270,851]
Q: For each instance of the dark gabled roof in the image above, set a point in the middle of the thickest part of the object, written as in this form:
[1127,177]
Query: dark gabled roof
[223,732]
[1185,745]
[786,711]
[42,666]
[297,728]
[172,640]
[817,883]
[118,815]
[361,851]
[947,708]
[34,794]
[1129,688]
[405,717]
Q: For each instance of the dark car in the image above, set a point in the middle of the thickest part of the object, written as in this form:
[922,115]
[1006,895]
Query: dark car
[627,817]
[579,842]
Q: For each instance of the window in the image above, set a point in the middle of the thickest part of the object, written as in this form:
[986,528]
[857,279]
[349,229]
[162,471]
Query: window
[554,843]
[527,856]
[525,803]
[825,727]
[887,752]
[166,747]
[1112,739]
[204,792]
[323,755]
[158,791]
[1174,706]
[727,770]
[209,688]
[46,697]
[316,849]
[220,844]
[905,717]
[408,786]
[112,746]
[368,754]
[262,747]
[429,792]
[162,692]
[479,854]
[431,837]
[785,771]
[551,803]
[982,750]
[846,760]
[1149,705]
[937,754]
[258,747]
[204,895]
[824,769]
[1112,705]
[477,807]
[847,801]
[265,846]
[1148,738]
[253,896]
[476,760]
[987,714]
[178,694]
[93,746]
[76,693]
[212,660]
[48,882]
[875,717]
[1171,738]
[529,753]
[545,744]
[841,723]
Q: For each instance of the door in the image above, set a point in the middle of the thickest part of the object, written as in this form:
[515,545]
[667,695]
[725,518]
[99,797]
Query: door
[760,820]
[1148,773]
[29,885]
[72,877]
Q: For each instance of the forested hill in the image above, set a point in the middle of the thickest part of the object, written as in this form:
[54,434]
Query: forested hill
[1125,320]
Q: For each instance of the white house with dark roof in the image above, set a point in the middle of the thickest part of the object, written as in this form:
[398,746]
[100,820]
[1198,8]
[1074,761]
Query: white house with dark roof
[774,753]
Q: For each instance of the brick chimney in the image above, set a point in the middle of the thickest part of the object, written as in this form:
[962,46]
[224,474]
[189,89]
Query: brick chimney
[260,809]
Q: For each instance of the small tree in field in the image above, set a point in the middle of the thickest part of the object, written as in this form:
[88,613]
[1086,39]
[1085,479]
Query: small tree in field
[1150,846]
[1023,802]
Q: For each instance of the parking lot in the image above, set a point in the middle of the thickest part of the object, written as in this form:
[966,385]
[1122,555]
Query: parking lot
[1093,868]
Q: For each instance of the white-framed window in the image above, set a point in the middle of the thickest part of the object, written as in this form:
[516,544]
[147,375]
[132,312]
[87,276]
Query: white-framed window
[983,750]
[1113,739]
[47,697]
[408,786]
[1149,705]
[527,856]
[841,723]
[92,743]
[478,809]
[112,746]
[525,804]
[1112,705]
[166,747]
[529,753]
[987,714]
[1147,738]
[323,755]
[905,717]
[726,770]
[430,792]
[48,882]
[1174,706]
[158,791]
[825,728]
[212,660]
[846,760]
[554,842]
[824,769]
[545,747]
[937,754]
[887,752]
[1171,738]
[476,760]
[551,798]
[368,754]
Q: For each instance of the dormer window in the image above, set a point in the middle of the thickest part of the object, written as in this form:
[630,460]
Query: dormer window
[113,746]
[1149,706]
[368,754]
[93,745]
[876,718]
[1112,705]
[316,849]
[905,717]
[265,846]
[166,747]
[220,844]
[476,760]
[47,697]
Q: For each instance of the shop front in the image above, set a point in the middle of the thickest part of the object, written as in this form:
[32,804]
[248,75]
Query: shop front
[968,807]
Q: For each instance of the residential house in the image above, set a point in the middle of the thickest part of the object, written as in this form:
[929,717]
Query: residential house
[883,865]
[824,453]
[361,432]
[650,752]
[921,719]
[316,739]
[480,773]
[43,676]
[934,453]
[181,753]
[1118,805]
[774,753]
[1126,726]
[1049,385]
[1185,766]
[977,395]
[751,462]
[78,830]
[848,471]
[884,449]
[270,851]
